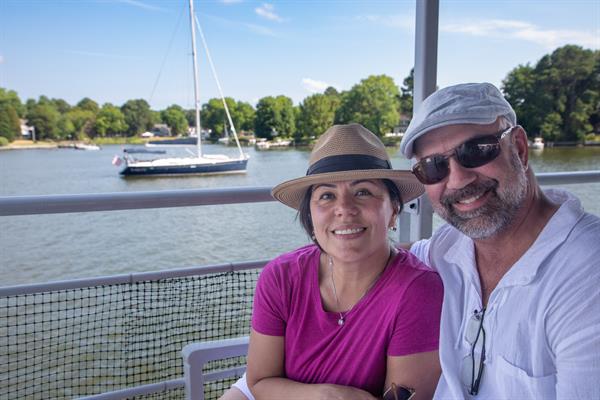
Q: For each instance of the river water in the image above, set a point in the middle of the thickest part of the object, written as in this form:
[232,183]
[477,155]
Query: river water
[44,248]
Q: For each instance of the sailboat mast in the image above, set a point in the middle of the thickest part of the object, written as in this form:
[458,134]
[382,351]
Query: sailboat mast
[196,101]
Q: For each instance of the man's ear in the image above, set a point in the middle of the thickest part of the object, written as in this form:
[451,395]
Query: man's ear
[522,146]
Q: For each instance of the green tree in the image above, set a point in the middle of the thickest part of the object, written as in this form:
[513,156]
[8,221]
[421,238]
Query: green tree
[11,98]
[138,116]
[374,103]
[10,126]
[406,95]
[316,115]
[174,117]
[110,121]
[83,122]
[275,117]
[559,96]
[244,116]
[65,129]
[88,105]
[61,106]
[44,117]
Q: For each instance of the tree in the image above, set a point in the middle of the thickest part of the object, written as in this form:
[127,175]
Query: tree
[83,122]
[10,126]
[275,117]
[244,116]
[88,105]
[138,116]
[65,129]
[316,115]
[11,98]
[406,96]
[174,117]
[559,96]
[110,121]
[373,103]
[44,117]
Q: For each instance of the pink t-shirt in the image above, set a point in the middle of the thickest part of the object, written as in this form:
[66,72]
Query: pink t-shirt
[400,315]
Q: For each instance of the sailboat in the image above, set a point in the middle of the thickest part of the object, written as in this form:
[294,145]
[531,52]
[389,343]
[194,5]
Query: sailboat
[199,163]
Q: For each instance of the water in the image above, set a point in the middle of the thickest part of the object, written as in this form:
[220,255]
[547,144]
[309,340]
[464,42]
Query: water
[43,248]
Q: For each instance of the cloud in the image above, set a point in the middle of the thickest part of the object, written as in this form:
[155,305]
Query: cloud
[268,11]
[520,30]
[231,1]
[1,59]
[314,86]
[139,4]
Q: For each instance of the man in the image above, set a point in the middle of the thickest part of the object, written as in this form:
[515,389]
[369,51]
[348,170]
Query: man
[520,266]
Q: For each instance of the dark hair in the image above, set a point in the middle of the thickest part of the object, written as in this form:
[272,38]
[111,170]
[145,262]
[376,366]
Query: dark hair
[306,219]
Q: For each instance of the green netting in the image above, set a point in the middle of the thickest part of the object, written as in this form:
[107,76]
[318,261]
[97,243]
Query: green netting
[77,342]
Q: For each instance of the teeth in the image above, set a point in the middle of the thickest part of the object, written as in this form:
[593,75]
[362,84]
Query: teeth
[470,199]
[348,231]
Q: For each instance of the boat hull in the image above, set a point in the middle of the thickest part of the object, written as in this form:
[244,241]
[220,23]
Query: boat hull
[234,166]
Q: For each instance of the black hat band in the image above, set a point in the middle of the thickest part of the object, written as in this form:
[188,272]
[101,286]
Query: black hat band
[347,162]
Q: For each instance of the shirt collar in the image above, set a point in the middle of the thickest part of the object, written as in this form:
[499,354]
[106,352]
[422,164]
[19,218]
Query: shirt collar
[462,252]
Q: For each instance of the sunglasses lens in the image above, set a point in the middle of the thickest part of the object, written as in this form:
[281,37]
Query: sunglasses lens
[477,152]
[431,170]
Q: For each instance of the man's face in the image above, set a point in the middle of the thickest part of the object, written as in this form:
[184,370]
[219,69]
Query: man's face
[481,201]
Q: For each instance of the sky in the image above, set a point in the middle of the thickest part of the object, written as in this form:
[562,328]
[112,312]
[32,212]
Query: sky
[118,50]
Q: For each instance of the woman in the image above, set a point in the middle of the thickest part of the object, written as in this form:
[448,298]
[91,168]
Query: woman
[349,315]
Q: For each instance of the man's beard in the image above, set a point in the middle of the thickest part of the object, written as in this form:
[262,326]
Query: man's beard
[499,210]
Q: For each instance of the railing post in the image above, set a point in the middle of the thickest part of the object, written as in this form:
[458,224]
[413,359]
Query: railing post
[425,78]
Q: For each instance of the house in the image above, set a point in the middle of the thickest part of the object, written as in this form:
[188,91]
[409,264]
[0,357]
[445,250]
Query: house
[27,132]
[161,130]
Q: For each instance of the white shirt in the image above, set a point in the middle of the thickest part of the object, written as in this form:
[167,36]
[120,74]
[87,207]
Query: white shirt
[542,321]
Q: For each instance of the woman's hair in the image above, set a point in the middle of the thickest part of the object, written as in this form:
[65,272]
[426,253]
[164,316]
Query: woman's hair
[306,219]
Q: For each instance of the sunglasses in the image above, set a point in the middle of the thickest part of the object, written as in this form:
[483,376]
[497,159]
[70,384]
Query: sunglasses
[473,363]
[471,154]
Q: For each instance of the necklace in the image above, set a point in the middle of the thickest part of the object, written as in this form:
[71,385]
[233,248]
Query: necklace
[342,318]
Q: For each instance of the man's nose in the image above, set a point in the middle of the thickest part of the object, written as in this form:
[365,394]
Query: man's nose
[459,176]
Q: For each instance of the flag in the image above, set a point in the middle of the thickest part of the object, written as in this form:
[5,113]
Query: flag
[117,161]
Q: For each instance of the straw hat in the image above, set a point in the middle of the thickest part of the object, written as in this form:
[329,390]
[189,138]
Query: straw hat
[347,152]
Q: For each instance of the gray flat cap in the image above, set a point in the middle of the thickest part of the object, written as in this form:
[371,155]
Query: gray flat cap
[467,103]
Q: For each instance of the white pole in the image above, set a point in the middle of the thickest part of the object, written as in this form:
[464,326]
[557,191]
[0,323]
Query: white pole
[196,101]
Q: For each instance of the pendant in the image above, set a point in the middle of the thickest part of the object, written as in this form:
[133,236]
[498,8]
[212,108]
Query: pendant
[341,321]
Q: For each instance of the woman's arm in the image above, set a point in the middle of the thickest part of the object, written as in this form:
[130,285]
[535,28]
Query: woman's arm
[266,378]
[420,371]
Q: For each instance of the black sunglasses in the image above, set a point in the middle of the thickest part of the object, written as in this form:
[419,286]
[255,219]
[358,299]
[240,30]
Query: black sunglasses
[471,154]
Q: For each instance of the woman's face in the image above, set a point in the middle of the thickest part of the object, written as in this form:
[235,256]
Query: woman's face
[351,218]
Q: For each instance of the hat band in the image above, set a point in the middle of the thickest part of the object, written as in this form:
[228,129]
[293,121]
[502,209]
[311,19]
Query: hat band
[347,162]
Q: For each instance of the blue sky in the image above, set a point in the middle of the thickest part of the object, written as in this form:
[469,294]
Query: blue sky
[116,50]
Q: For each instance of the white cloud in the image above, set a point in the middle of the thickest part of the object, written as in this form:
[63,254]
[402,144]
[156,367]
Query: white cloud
[268,11]
[1,59]
[520,30]
[314,86]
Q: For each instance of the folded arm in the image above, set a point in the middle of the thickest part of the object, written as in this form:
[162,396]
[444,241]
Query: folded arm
[266,377]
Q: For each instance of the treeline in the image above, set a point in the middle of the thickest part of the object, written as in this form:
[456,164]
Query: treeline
[558,98]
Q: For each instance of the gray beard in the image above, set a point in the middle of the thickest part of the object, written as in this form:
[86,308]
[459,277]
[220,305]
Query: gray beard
[498,212]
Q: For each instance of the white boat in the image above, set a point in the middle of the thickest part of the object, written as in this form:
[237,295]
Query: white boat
[199,163]
[537,144]
[264,144]
[84,146]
